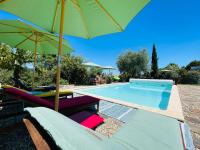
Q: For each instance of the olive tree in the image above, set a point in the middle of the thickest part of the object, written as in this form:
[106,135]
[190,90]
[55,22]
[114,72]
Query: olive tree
[133,64]
[193,64]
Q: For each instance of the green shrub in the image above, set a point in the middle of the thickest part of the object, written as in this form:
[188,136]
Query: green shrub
[173,75]
[63,82]
[94,71]
[124,77]
[41,78]
[109,79]
[192,64]
[116,78]
[191,77]
[5,77]
[73,70]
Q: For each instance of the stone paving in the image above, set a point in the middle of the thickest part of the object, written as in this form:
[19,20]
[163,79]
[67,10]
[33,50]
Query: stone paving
[190,98]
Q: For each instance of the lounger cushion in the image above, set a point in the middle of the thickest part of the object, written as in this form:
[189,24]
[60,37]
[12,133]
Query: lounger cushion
[67,134]
[52,93]
[87,119]
[76,101]
[9,86]
[63,103]
[144,131]
[29,97]
[150,131]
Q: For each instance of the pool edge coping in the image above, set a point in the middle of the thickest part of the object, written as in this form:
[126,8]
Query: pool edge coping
[174,108]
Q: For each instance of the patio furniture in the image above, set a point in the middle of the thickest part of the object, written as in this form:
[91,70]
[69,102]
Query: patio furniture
[144,130]
[66,106]
[43,94]
[22,85]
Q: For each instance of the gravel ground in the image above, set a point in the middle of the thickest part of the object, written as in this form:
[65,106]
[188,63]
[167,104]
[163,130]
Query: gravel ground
[109,127]
[190,98]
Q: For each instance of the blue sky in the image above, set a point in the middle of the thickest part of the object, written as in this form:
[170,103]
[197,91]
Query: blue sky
[173,25]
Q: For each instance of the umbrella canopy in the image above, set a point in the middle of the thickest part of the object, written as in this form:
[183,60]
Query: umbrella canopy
[166,70]
[108,67]
[21,35]
[83,18]
[91,64]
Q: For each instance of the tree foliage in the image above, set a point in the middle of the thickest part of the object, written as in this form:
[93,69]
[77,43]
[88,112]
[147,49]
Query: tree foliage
[154,63]
[190,77]
[6,57]
[14,59]
[73,70]
[193,64]
[171,71]
[132,64]
[94,71]
[5,76]
[172,67]
[46,70]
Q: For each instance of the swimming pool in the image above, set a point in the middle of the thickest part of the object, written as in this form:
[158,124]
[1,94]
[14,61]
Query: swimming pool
[151,93]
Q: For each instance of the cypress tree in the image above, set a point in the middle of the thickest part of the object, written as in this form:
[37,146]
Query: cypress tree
[154,63]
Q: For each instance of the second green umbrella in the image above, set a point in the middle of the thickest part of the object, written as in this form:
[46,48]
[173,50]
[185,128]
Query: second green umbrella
[22,35]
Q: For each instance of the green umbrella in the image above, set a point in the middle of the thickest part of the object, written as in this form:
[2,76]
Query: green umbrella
[108,68]
[21,35]
[91,64]
[83,18]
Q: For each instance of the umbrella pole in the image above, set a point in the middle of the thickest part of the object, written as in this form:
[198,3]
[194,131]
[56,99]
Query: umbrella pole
[35,59]
[59,55]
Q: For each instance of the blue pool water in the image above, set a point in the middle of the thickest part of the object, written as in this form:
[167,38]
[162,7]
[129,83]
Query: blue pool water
[145,93]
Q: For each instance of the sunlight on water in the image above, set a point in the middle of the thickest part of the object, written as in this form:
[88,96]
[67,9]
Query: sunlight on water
[151,94]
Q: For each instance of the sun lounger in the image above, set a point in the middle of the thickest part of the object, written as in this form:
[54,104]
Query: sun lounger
[66,106]
[144,130]
[47,94]
[50,94]
[22,85]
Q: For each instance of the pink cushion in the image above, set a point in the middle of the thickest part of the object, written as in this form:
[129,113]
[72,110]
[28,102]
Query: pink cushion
[87,119]
[63,103]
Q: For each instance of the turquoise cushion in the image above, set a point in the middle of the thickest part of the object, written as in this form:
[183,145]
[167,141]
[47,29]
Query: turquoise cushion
[150,131]
[144,131]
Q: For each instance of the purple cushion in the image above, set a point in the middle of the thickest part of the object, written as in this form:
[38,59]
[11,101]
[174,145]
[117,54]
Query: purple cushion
[77,101]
